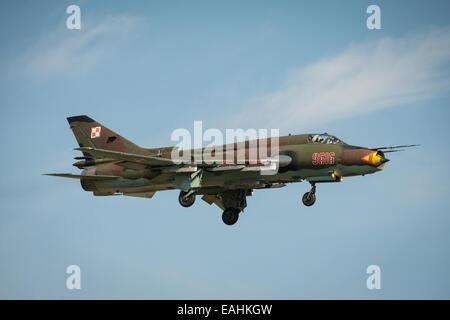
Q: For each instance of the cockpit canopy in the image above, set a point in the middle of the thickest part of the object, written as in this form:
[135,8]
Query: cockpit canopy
[324,138]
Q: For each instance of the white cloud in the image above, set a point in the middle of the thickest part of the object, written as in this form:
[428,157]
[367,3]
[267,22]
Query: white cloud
[362,79]
[75,51]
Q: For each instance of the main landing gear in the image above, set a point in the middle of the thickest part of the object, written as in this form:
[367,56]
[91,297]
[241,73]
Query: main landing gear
[230,216]
[234,202]
[310,197]
[187,199]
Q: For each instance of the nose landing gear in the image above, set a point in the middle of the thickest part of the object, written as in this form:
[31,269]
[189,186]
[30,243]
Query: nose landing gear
[309,198]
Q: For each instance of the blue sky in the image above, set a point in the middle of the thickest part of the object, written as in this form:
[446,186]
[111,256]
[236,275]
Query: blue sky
[147,68]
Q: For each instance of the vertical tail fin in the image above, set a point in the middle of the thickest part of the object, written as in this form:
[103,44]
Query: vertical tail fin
[90,133]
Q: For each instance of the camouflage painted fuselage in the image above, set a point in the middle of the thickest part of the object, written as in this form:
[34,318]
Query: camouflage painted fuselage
[224,175]
[316,158]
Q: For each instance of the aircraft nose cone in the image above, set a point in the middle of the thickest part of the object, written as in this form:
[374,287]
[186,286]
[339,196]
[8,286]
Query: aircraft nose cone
[384,160]
[375,158]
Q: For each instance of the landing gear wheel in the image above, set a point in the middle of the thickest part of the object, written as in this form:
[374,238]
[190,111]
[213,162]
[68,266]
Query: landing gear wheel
[186,201]
[309,199]
[230,216]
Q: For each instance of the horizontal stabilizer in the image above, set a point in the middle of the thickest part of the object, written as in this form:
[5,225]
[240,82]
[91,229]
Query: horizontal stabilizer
[130,157]
[80,176]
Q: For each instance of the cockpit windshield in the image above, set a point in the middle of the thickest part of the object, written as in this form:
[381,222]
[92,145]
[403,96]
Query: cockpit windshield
[324,138]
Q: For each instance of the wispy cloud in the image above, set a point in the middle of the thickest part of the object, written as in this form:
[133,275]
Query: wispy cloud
[75,51]
[363,78]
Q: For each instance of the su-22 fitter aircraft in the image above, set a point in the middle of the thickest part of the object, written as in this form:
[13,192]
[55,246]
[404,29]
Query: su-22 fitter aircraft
[113,165]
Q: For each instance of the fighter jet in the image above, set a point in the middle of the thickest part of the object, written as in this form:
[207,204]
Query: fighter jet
[113,165]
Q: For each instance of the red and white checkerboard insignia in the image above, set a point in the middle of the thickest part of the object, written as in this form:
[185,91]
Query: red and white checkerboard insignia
[95,132]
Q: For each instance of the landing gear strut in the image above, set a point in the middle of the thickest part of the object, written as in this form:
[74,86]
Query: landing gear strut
[186,199]
[234,202]
[310,197]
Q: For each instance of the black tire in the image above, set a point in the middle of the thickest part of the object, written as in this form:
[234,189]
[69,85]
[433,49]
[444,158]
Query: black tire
[308,199]
[230,216]
[186,202]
